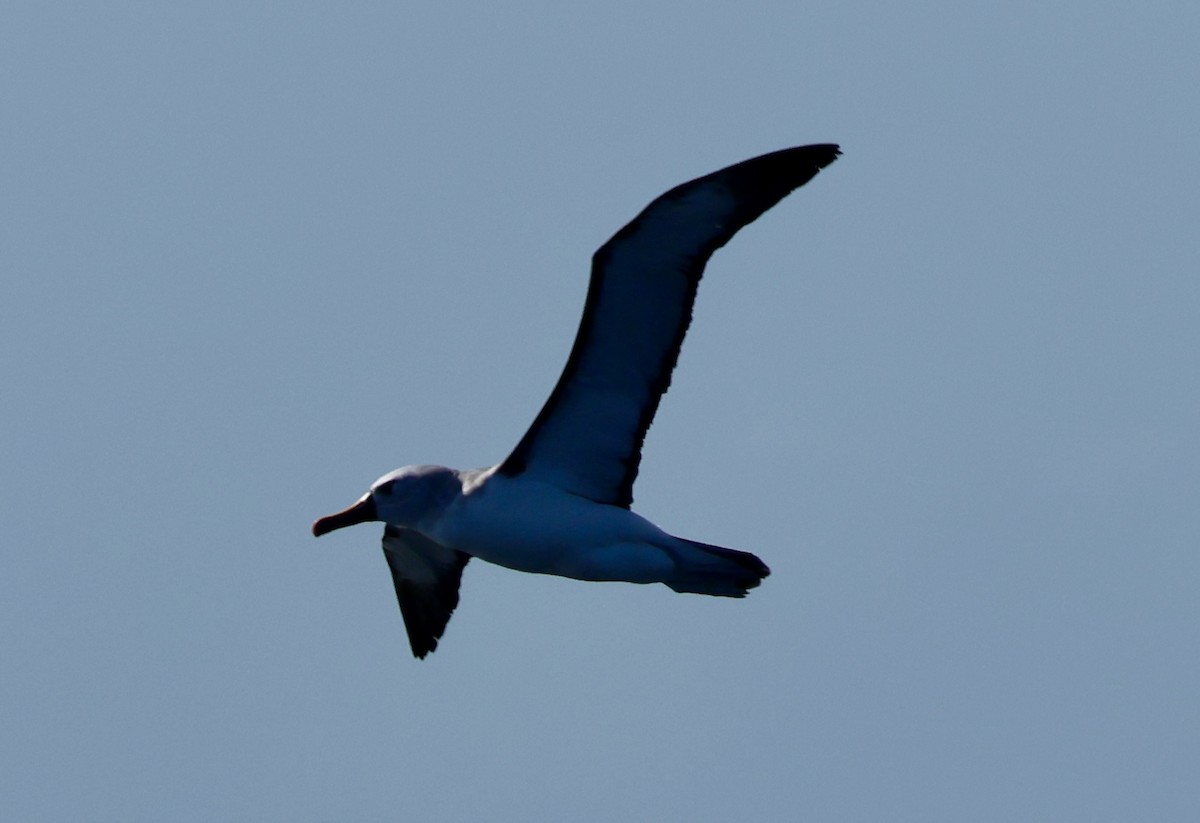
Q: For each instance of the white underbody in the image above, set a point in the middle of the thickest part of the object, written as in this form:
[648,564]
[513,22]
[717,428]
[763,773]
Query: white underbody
[532,526]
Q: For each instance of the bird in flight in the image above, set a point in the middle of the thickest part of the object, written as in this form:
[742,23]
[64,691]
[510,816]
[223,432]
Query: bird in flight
[560,502]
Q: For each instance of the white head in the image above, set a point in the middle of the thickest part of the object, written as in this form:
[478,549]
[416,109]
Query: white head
[402,497]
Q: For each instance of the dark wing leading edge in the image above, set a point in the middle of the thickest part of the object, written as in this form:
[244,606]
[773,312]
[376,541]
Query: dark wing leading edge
[588,437]
[426,575]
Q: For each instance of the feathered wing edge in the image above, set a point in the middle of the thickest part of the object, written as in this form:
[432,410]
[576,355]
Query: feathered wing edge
[426,576]
[713,208]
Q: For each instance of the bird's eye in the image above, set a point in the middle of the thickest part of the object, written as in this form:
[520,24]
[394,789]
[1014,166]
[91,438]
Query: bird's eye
[385,487]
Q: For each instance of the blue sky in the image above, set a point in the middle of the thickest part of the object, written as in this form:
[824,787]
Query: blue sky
[255,255]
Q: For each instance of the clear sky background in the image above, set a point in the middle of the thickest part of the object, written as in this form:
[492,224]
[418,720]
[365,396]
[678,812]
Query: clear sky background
[257,254]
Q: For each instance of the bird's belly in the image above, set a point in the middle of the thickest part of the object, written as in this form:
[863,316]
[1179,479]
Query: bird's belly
[535,527]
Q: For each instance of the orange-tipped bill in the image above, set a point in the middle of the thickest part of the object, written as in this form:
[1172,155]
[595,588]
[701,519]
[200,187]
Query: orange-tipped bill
[361,512]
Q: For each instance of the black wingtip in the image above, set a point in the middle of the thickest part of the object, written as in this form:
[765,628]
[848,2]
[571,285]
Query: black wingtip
[426,577]
[785,170]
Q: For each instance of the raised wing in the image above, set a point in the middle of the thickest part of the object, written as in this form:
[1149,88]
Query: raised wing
[588,437]
[426,575]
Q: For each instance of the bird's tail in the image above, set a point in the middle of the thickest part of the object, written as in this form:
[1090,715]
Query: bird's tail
[701,568]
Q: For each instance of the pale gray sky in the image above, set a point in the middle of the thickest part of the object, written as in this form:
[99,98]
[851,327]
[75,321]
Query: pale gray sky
[255,255]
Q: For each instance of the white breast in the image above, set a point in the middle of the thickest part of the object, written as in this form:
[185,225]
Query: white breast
[535,527]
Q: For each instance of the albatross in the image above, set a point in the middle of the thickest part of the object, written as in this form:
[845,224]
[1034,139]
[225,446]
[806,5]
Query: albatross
[560,502]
